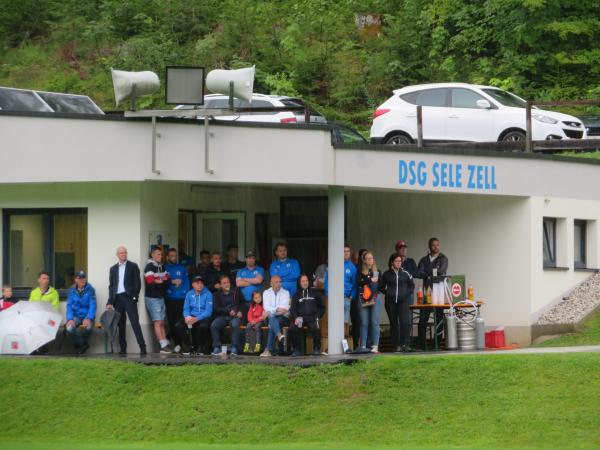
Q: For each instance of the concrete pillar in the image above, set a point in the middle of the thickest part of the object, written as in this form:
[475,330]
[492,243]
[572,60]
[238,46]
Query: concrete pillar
[335,309]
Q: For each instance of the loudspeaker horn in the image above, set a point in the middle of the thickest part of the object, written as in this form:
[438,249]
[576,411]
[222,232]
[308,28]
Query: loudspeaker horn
[218,80]
[133,84]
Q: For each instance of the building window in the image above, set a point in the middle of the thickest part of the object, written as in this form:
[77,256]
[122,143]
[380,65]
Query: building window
[51,240]
[549,237]
[580,243]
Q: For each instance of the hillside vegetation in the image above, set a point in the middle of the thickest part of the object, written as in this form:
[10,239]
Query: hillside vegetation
[540,49]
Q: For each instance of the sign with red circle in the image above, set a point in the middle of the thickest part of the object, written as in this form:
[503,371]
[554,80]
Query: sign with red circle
[456,290]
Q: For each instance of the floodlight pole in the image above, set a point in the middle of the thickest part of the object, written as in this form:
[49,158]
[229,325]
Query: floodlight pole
[207,168]
[154,136]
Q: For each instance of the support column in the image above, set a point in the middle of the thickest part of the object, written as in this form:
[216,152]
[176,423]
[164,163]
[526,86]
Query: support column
[335,248]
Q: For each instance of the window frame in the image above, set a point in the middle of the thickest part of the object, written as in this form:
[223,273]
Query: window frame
[582,263]
[48,235]
[546,242]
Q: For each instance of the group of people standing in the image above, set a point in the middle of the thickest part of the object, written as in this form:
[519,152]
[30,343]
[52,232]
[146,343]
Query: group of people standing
[189,311]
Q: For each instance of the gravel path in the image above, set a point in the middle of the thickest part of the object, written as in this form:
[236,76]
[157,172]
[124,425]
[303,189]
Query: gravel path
[577,305]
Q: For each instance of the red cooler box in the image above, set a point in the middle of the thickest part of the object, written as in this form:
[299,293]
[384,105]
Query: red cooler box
[495,338]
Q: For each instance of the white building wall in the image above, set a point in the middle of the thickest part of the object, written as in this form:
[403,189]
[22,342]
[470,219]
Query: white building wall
[485,238]
[113,220]
[549,286]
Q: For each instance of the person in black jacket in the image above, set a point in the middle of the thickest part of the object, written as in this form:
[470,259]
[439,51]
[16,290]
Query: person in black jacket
[226,311]
[432,268]
[214,272]
[396,284]
[307,308]
[123,293]
[408,264]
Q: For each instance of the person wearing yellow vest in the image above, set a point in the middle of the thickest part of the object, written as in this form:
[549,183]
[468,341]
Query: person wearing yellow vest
[44,292]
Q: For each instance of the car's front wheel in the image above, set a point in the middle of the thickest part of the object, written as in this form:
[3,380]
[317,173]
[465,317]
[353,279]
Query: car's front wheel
[399,139]
[513,136]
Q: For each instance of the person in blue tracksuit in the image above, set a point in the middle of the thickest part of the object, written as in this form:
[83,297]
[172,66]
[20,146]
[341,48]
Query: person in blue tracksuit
[197,313]
[350,286]
[81,310]
[177,288]
[249,280]
[288,269]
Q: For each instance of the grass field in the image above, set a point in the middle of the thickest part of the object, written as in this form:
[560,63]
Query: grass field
[479,401]
[589,335]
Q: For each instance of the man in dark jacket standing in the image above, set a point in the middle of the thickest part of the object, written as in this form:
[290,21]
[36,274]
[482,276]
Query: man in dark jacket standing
[123,293]
[307,308]
[432,269]
[396,284]
[213,273]
[226,311]
[408,264]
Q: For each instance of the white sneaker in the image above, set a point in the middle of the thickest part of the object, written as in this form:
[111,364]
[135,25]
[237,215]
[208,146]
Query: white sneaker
[266,353]
[177,349]
[374,349]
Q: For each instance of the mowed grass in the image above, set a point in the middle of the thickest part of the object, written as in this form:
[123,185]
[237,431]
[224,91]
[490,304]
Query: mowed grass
[471,401]
[589,335]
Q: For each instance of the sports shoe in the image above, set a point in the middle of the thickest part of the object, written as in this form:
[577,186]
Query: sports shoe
[257,348]
[166,349]
[216,351]
[296,353]
[246,347]
[266,353]
[234,351]
[177,349]
[374,349]
[317,351]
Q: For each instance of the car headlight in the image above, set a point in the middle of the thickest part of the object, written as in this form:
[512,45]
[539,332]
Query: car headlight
[545,119]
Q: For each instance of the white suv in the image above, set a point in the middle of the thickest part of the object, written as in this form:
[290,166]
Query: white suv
[260,101]
[465,112]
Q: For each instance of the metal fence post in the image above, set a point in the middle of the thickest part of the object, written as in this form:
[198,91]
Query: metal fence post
[419,126]
[528,138]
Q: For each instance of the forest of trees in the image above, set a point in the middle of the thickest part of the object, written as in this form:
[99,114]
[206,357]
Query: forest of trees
[540,49]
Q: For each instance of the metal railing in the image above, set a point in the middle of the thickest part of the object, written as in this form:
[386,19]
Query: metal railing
[529,145]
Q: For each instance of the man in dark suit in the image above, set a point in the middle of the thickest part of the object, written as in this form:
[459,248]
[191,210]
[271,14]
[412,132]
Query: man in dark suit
[123,293]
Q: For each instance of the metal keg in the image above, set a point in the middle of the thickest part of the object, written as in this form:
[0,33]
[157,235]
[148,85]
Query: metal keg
[451,342]
[467,336]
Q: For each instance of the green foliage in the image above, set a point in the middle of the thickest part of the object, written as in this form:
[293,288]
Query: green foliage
[476,401]
[541,49]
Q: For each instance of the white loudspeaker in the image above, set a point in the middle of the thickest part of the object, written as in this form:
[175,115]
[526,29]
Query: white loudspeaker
[218,80]
[145,83]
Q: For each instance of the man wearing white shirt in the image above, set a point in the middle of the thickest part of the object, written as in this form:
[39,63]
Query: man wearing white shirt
[276,303]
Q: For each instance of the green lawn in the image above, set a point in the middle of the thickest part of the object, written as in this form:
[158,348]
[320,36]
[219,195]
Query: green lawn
[470,401]
[589,335]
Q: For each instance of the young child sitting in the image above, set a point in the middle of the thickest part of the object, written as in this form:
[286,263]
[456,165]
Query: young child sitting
[6,300]
[255,321]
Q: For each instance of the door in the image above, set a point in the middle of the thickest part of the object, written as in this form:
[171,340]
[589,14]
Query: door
[215,231]
[435,113]
[467,122]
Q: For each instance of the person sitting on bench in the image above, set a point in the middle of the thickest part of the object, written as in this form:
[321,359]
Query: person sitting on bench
[276,302]
[308,306]
[197,310]
[226,309]
[81,310]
